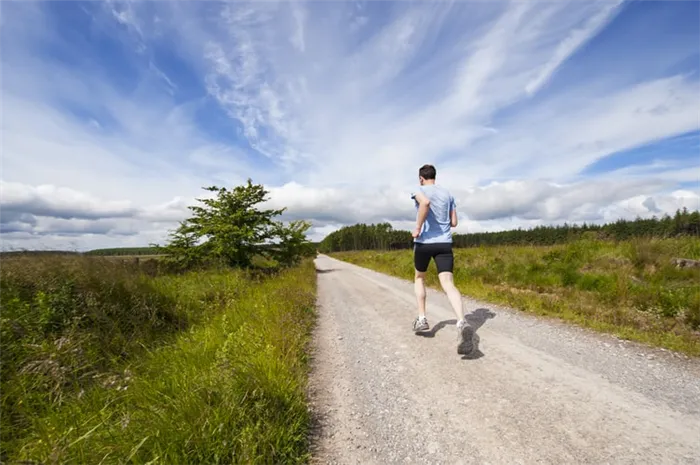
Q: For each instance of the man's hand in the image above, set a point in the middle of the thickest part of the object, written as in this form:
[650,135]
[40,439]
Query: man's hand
[416,233]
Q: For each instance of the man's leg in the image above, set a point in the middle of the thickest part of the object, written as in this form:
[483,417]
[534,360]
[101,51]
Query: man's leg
[421,260]
[444,261]
[445,264]
[419,287]
[448,285]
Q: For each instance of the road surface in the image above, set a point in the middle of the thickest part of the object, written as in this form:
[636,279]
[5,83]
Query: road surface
[534,391]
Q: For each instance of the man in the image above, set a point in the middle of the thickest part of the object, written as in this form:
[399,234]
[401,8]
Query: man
[437,214]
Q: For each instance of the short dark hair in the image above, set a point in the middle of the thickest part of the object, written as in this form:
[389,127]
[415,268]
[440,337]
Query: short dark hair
[427,172]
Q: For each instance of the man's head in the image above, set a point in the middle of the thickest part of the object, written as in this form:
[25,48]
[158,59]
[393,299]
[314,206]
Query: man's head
[426,174]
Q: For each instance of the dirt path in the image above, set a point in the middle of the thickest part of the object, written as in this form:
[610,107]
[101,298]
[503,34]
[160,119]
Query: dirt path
[534,391]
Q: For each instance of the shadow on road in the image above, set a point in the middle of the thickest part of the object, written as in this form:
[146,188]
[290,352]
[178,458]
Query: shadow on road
[478,317]
[476,320]
[432,331]
[329,270]
[317,429]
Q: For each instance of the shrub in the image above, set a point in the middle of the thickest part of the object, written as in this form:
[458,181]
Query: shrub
[603,284]
[68,321]
[692,313]
[644,252]
[230,389]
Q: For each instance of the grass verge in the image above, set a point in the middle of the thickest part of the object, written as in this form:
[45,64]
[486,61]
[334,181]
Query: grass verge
[102,364]
[630,289]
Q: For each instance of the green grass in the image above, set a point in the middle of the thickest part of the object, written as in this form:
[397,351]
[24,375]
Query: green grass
[630,289]
[102,363]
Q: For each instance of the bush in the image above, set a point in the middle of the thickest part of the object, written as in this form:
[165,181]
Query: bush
[230,389]
[643,253]
[692,313]
[603,284]
[569,274]
[68,321]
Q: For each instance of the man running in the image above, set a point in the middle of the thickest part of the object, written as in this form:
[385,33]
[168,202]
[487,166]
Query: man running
[437,214]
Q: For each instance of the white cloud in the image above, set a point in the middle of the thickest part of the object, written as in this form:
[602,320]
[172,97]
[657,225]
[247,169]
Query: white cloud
[646,207]
[586,128]
[59,202]
[576,39]
[158,72]
[125,14]
[590,200]
[53,211]
[299,17]
[79,242]
[362,117]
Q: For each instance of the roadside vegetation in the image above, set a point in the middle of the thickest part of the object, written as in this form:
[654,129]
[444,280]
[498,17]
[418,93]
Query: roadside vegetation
[200,360]
[632,288]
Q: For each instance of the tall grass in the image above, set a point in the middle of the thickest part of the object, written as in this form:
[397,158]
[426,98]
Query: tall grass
[631,288]
[103,364]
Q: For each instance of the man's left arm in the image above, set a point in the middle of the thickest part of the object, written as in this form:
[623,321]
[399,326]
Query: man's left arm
[453,213]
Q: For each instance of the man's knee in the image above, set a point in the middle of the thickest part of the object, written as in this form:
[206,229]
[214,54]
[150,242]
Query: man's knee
[446,279]
[420,275]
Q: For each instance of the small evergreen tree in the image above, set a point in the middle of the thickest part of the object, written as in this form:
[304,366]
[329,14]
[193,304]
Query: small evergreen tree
[229,229]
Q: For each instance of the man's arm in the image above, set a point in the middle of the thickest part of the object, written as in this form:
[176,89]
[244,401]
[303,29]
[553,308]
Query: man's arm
[423,208]
[453,213]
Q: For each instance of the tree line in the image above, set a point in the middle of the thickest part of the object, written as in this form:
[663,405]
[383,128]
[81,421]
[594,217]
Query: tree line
[119,251]
[383,237]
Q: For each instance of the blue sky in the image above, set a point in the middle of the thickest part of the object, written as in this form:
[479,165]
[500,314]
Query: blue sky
[115,114]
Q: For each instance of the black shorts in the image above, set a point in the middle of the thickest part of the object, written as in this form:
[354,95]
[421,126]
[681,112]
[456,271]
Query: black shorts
[440,252]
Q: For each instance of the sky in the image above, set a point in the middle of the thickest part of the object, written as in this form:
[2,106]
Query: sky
[115,115]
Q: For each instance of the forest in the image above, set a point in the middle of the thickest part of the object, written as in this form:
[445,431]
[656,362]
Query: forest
[383,237]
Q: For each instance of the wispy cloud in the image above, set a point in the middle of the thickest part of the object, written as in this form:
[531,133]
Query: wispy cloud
[335,105]
[379,111]
[577,38]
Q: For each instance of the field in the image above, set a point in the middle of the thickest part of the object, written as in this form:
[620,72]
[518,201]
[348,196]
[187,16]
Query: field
[105,363]
[116,360]
[628,288]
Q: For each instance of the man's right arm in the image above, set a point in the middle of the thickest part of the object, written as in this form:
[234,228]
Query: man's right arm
[423,207]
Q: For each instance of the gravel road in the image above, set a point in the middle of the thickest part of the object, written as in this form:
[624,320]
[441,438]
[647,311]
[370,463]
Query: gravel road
[533,391]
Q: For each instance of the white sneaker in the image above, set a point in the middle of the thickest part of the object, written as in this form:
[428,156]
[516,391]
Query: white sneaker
[420,324]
